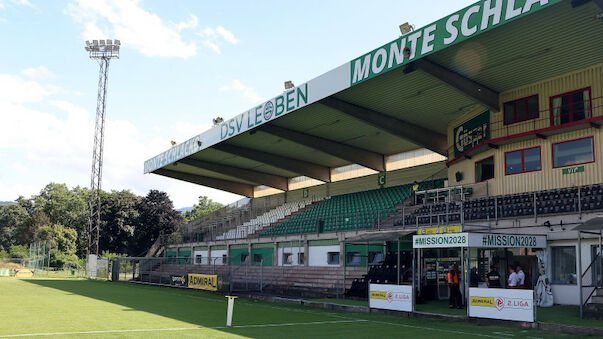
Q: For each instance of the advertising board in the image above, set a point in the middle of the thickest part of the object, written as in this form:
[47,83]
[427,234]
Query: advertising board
[498,303]
[207,282]
[391,297]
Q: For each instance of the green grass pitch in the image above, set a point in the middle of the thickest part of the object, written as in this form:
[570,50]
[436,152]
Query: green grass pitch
[81,309]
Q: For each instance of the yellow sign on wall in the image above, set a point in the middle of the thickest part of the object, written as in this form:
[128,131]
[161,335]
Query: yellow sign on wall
[440,230]
[207,282]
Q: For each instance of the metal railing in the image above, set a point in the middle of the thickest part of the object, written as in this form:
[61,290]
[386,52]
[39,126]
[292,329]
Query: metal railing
[593,109]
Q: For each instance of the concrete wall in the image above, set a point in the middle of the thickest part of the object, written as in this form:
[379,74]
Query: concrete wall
[317,255]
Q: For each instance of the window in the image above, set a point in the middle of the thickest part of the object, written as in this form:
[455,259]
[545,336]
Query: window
[333,258]
[244,257]
[573,152]
[224,259]
[521,110]
[257,258]
[353,258]
[198,259]
[570,107]
[484,169]
[287,258]
[521,161]
[564,264]
[375,257]
[300,258]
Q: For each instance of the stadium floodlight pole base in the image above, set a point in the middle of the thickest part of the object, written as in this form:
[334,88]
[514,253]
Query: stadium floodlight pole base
[231,300]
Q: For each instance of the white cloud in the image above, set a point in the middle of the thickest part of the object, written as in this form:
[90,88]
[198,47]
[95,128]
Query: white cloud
[191,23]
[15,2]
[134,26]
[227,35]
[213,46]
[247,91]
[53,143]
[38,73]
[213,38]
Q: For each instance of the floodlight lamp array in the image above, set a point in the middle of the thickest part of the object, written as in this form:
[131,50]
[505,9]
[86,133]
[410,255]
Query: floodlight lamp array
[103,49]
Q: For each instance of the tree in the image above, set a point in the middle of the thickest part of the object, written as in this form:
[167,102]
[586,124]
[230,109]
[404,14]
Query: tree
[63,244]
[119,215]
[13,219]
[204,207]
[156,216]
[19,251]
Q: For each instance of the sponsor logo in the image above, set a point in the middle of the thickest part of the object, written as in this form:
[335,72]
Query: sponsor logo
[501,303]
[203,281]
[378,295]
[390,296]
[482,301]
[268,109]
[178,280]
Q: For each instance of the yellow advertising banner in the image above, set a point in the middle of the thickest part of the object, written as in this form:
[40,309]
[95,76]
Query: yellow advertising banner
[378,295]
[482,301]
[440,230]
[207,282]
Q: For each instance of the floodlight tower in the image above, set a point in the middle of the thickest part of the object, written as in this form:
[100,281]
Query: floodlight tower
[102,51]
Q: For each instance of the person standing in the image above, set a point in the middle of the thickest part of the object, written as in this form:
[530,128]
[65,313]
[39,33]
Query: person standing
[512,279]
[453,285]
[521,277]
[493,278]
[474,278]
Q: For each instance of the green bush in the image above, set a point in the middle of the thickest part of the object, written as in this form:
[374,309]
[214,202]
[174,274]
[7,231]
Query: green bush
[19,251]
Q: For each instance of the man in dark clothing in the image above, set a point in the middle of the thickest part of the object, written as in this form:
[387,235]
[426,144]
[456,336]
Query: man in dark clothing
[493,278]
[453,284]
[474,282]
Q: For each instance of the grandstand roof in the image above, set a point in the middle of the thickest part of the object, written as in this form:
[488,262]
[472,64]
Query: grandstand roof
[391,100]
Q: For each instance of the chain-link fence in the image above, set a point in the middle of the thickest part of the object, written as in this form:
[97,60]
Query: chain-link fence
[236,274]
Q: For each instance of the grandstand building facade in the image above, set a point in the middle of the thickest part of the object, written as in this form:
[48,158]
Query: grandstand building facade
[494,112]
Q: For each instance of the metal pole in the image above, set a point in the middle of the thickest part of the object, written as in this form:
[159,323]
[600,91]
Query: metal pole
[398,276]
[600,266]
[468,268]
[579,270]
[414,258]
[261,275]
[462,265]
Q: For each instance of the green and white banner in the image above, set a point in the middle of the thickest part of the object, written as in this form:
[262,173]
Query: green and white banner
[483,240]
[459,26]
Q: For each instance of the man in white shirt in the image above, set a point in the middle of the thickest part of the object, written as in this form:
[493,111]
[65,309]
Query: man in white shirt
[512,279]
[521,277]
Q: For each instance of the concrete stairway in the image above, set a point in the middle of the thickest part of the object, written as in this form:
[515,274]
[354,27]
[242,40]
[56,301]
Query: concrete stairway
[594,309]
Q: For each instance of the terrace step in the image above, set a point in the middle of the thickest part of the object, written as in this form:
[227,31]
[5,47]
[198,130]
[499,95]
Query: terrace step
[597,299]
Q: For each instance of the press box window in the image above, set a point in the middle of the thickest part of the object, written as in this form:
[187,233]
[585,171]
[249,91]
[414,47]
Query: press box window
[570,107]
[257,258]
[287,258]
[484,169]
[244,257]
[521,110]
[564,265]
[525,160]
[198,259]
[573,152]
[333,258]
[300,259]
[354,258]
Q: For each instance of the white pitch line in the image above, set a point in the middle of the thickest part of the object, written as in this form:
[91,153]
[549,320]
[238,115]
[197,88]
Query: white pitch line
[436,329]
[181,328]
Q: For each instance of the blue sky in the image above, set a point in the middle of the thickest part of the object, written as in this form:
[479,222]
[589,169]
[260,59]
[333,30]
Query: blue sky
[182,63]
